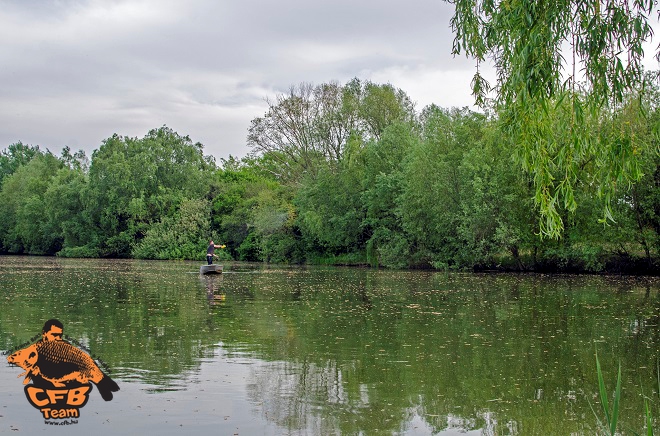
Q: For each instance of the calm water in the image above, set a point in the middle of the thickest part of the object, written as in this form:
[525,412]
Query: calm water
[322,351]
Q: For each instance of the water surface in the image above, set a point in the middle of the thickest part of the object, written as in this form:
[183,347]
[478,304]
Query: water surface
[318,351]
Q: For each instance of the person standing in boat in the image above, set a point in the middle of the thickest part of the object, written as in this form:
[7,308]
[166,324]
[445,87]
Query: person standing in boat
[210,252]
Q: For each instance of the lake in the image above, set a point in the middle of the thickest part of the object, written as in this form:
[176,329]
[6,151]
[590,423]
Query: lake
[275,350]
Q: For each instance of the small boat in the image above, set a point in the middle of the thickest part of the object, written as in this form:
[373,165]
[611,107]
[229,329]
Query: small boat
[210,269]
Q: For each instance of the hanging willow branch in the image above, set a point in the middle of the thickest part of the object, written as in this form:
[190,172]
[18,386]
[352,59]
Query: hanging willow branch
[526,40]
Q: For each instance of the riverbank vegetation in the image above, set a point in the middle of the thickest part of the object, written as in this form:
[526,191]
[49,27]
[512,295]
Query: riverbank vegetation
[349,174]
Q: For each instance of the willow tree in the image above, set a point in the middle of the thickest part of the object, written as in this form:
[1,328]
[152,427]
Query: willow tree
[547,53]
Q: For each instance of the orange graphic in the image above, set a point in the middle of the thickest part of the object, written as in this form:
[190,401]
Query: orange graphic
[61,374]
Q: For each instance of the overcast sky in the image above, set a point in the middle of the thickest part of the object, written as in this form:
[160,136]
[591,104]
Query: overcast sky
[74,72]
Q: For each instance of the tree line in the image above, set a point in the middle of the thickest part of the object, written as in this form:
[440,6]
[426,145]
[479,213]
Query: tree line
[354,174]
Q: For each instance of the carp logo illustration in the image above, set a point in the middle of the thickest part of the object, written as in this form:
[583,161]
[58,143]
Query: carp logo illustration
[61,375]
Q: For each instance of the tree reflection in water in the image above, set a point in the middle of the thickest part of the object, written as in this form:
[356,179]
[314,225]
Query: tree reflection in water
[355,351]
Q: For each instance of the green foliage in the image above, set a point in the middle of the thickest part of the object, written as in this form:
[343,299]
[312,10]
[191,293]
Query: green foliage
[611,416]
[382,106]
[608,424]
[64,208]
[527,41]
[330,213]
[79,252]
[250,248]
[14,156]
[254,214]
[459,192]
[351,259]
[183,235]
[133,183]
[24,223]
[282,247]
[375,184]
[313,125]
[383,183]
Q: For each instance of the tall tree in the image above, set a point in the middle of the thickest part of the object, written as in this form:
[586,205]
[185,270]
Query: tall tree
[65,210]
[24,222]
[383,181]
[331,211]
[528,41]
[14,156]
[253,213]
[304,126]
[431,201]
[312,125]
[134,183]
[382,105]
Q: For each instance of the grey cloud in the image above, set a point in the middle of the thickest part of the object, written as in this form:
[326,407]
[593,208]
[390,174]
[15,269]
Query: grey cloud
[78,71]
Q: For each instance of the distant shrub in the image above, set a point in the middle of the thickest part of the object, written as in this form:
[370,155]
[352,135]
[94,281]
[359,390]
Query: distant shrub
[574,258]
[282,248]
[79,252]
[184,235]
[250,248]
[344,259]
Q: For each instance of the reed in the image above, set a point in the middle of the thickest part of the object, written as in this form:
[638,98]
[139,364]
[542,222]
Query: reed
[609,424]
[611,416]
